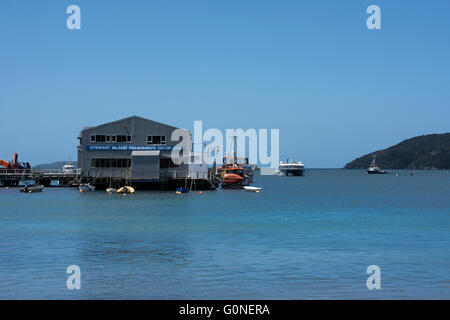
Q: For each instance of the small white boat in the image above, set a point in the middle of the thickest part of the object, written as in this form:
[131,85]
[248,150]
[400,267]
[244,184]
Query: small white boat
[278,173]
[86,187]
[111,190]
[252,189]
[68,168]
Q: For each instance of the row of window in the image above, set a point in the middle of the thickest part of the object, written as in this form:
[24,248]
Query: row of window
[152,140]
[110,138]
[156,140]
[126,163]
[110,163]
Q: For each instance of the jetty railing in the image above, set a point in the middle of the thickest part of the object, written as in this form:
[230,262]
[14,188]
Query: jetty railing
[33,172]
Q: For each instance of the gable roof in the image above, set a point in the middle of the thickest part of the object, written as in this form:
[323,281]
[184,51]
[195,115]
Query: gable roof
[128,118]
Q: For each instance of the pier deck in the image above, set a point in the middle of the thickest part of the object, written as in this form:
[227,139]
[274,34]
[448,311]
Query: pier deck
[12,177]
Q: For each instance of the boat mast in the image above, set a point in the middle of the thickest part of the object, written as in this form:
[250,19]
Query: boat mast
[235,150]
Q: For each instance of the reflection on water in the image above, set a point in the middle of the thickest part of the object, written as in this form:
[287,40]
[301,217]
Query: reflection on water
[303,237]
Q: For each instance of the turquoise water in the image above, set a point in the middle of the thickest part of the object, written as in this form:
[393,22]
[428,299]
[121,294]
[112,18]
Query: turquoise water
[301,238]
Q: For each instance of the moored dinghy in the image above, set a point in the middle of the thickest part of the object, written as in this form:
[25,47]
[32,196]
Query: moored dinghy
[126,189]
[86,187]
[32,189]
[111,190]
[182,190]
[252,189]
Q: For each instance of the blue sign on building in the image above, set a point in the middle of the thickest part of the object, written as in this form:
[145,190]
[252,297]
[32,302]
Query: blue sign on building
[128,148]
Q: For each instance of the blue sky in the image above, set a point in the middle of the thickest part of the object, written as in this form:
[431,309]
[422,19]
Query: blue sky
[335,89]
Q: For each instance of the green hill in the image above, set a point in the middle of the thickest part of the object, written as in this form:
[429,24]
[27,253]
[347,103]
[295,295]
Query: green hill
[54,165]
[424,152]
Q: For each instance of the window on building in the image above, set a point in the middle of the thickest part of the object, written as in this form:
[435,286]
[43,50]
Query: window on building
[123,138]
[110,163]
[111,138]
[167,163]
[100,138]
[156,140]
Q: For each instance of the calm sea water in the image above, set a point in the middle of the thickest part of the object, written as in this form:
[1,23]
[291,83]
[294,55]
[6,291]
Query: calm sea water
[301,238]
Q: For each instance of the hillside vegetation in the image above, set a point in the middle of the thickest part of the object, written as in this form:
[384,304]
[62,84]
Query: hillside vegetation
[54,165]
[423,152]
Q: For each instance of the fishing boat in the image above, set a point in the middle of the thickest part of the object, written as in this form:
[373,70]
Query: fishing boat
[290,167]
[231,173]
[32,189]
[86,187]
[373,169]
[233,177]
[252,189]
[243,162]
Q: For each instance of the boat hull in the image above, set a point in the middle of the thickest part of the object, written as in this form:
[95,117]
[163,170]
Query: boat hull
[126,189]
[232,178]
[182,190]
[293,172]
[86,188]
[375,172]
[252,189]
[33,189]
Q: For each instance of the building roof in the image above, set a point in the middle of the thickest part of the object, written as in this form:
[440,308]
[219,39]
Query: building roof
[128,118]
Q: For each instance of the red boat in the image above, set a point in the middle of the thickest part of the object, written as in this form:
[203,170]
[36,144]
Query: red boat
[232,178]
[232,174]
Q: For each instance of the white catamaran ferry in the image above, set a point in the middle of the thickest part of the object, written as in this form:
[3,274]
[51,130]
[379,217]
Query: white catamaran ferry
[290,167]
